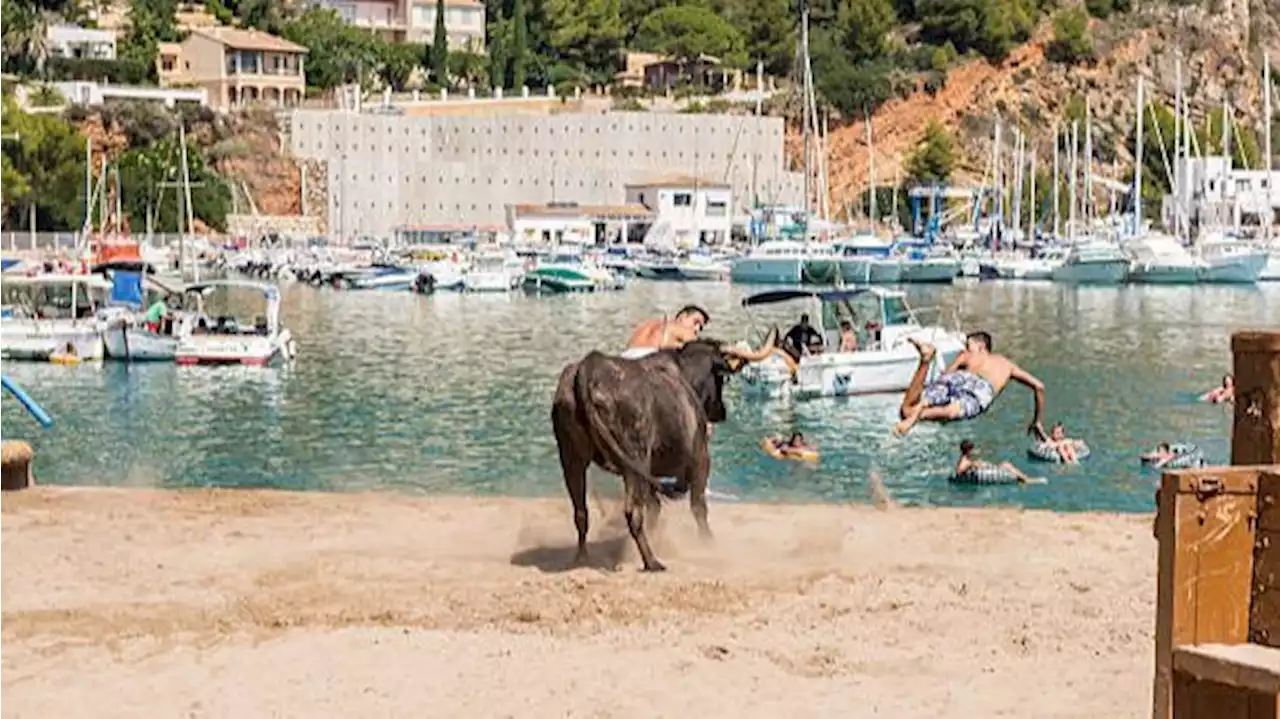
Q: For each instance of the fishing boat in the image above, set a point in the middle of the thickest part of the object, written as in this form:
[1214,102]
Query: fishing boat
[1093,263]
[224,339]
[43,314]
[884,360]
[126,335]
[566,270]
[1227,260]
[1161,259]
[493,272]
[868,260]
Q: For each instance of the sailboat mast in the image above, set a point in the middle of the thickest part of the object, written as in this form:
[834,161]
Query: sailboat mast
[804,49]
[1087,205]
[871,175]
[1137,167]
[998,176]
[1178,129]
[1266,138]
[1017,181]
[1057,181]
[1031,222]
[186,192]
[1071,182]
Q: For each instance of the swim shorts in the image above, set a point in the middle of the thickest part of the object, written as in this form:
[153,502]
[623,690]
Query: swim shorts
[634,353]
[974,393]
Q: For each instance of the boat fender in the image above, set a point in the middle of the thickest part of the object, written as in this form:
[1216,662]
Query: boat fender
[800,455]
[986,474]
[1045,452]
[63,359]
[1185,456]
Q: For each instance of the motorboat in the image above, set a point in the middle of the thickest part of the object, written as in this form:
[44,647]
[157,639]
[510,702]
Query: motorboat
[386,277]
[868,260]
[1093,262]
[786,262]
[923,262]
[46,314]
[1231,261]
[493,272]
[699,266]
[566,270]
[225,339]
[884,360]
[126,336]
[1271,273]
[1031,268]
[1161,259]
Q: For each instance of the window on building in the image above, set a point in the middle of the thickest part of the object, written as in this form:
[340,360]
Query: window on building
[167,63]
[717,208]
[682,199]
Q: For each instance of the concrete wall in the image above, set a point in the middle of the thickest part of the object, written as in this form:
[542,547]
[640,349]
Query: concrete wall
[388,171]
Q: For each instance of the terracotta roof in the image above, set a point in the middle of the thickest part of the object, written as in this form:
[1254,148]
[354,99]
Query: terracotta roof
[238,39]
[575,210]
[681,181]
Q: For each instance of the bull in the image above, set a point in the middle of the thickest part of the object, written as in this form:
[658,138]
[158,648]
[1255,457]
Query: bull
[643,419]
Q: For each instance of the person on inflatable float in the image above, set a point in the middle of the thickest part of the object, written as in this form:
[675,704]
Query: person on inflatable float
[969,461]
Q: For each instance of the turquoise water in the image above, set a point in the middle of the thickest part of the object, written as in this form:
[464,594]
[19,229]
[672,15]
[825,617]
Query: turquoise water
[452,393]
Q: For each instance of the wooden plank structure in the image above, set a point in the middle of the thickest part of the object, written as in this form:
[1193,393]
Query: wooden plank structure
[1218,594]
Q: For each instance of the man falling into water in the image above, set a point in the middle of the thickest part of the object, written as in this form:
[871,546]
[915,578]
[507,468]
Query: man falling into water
[967,388]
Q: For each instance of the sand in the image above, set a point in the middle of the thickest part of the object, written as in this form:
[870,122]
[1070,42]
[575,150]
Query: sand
[144,603]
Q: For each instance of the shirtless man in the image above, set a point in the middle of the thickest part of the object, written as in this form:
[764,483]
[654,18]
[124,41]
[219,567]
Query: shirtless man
[653,335]
[967,388]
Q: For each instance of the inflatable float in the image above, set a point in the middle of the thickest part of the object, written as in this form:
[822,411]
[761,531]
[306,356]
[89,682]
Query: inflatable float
[1185,456]
[63,358]
[985,474]
[801,455]
[1045,452]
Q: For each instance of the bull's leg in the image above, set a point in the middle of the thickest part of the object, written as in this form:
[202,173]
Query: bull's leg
[575,480]
[638,495]
[698,495]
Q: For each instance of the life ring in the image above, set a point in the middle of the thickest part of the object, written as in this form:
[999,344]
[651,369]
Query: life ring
[800,455]
[1045,452]
[1185,456]
[984,474]
[63,358]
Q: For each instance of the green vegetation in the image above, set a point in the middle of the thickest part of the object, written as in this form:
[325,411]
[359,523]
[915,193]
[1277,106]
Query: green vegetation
[43,170]
[1072,44]
[934,158]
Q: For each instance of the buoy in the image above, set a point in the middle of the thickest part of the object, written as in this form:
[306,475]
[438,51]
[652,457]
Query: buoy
[15,466]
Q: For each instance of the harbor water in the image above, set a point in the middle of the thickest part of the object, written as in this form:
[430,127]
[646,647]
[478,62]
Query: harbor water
[452,393]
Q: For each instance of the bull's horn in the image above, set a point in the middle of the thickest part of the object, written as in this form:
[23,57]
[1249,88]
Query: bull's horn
[770,342]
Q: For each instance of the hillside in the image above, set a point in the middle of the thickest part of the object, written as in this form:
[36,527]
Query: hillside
[1222,49]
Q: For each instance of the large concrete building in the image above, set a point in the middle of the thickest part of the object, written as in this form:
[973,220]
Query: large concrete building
[388,172]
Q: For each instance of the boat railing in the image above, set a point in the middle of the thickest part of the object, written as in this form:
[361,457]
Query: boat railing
[937,313]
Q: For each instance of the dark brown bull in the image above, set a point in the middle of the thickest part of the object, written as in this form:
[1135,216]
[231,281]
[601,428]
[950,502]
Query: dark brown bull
[643,419]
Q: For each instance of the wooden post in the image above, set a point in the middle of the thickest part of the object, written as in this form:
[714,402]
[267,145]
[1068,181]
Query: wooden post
[15,465]
[1255,434]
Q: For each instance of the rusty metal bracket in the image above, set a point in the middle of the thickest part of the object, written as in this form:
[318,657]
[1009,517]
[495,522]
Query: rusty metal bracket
[1206,487]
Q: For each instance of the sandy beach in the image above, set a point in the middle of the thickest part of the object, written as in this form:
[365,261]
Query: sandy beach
[144,603]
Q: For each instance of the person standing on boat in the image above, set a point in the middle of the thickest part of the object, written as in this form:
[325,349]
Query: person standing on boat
[801,337]
[848,338]
[155,314]
[967,388]
[660,334]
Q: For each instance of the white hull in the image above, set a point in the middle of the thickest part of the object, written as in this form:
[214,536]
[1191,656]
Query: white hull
[1271,272]
[133,344]
[254,350]
[22,339]
[492,281]
[842,374]
[767,270]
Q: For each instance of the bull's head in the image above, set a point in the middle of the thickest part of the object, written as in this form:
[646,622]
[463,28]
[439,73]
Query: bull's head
[706,365]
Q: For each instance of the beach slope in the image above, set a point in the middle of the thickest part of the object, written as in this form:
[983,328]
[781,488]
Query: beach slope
[143,603]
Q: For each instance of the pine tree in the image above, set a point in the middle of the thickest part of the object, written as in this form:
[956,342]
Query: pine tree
[519,44]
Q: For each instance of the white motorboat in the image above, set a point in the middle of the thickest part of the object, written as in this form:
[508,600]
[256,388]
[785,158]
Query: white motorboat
[1271,273]
[884,360]
[698,267]
[1161,259]
[925,263]
[568,270]
[493,272]
[1231,261]
[867,259]
[1092,262]
[224,339]
[786,262]
[44,314]
[126,336]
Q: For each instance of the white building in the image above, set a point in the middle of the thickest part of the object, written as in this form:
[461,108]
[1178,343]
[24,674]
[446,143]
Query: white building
[1222,196]
[85,92]
[414,21]
[571,223]
[690,211]
[74,41]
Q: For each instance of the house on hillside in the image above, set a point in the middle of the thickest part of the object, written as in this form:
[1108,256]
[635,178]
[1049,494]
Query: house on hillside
[236,67]
[78,42]
[415,20]
[657,73]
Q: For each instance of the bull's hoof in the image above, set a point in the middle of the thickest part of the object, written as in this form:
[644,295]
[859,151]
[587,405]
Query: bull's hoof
[655,566]
[581,559]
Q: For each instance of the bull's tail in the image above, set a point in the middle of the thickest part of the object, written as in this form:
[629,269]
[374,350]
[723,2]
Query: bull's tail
[600,430]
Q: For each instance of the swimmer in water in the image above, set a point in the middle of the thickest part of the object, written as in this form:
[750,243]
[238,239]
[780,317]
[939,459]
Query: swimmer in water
[1161,456]
[969,462]
[659,334]
[967,388]
[1065,446]
[1225,394]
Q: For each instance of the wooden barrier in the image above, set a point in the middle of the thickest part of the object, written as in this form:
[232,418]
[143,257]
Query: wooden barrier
[1218,589]
[15,465]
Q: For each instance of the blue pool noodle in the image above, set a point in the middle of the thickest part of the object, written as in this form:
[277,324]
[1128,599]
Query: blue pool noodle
[36,410]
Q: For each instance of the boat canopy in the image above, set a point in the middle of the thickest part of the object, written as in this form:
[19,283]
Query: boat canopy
[775,296]
[270,292]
